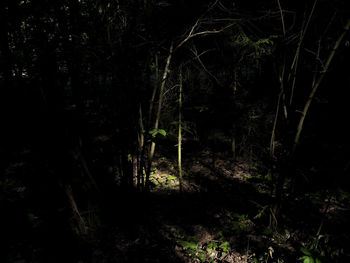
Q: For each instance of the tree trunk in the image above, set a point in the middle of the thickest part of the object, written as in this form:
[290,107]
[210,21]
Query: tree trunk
[81,225]
[179,135]
[156,123]
[316,85]
[155,88]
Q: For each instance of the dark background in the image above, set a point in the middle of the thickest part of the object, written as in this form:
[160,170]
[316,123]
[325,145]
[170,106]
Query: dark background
[73,78]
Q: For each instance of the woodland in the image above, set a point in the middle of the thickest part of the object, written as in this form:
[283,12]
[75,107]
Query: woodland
[174,131]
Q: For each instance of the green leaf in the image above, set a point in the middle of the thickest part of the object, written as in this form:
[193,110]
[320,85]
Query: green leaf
[225,246]
[172,177]
[186,244]
[318,260]
[192,253]
[201,256]
[305,251]
[309,260]
[154,132]
[212,245]
[162,132]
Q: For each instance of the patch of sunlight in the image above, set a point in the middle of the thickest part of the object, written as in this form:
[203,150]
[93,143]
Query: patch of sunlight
[163,181]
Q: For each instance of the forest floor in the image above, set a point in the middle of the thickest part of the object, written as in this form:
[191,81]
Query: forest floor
[222,215]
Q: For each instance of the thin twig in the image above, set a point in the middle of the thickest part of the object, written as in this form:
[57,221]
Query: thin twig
[282,18]
[297,53]
[195,52]
[202,33]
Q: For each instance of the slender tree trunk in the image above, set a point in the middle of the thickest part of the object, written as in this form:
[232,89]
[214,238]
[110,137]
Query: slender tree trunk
[155,88]
[285,168]
[233,147]
[281,98]
[274,209]
[156,123]
[294,66]
[179,149]
[273,133]
[141,161]
[78,156]
[316,85]
[82,228]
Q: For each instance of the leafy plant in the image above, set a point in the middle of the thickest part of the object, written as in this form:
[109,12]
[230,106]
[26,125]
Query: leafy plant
[186,244]
[308,256]
[239,224]
[193,250]
[171,177]
[320,250]
[212,245]
[241,217]
[225,247]
[155,132]
[208,252]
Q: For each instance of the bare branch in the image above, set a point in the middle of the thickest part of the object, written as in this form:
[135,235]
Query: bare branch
[294,66]
[202,33]
[192,29]
[317,57]
[282,18]
[195,52]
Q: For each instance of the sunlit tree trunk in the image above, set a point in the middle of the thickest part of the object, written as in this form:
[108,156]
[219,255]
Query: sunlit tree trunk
[156,122]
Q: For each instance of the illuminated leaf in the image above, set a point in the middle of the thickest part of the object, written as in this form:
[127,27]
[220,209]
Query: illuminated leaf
[155,132]
[186,244]
[305,251]
[162,132]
